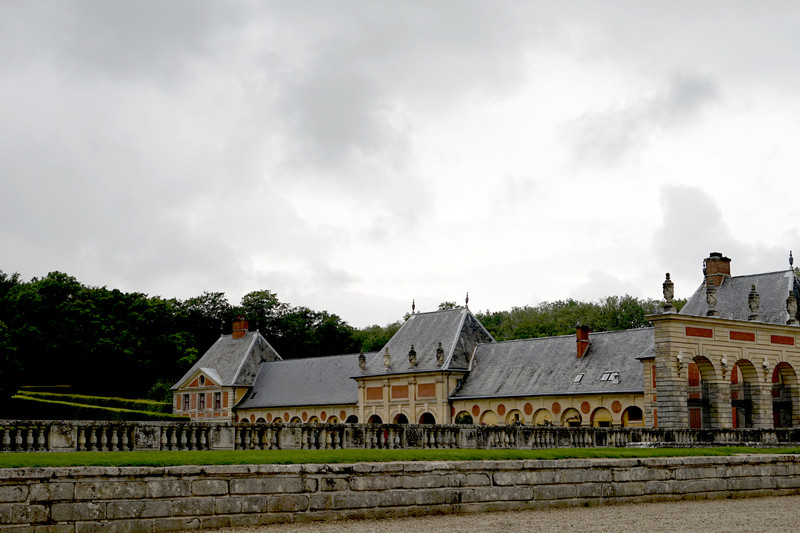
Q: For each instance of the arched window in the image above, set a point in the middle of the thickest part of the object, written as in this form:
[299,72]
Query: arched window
[375,419]
[400,419]
[352,419]
[463,418]
[427,418]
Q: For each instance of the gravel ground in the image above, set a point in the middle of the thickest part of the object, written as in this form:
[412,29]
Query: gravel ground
[751,515]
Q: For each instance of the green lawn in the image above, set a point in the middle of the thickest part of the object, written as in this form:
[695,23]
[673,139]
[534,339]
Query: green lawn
[165,458]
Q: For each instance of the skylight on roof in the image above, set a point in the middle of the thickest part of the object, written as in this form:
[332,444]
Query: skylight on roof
[578,378]
[610,376]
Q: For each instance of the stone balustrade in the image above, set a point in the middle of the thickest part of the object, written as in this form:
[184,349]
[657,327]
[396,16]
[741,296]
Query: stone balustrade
[80,435]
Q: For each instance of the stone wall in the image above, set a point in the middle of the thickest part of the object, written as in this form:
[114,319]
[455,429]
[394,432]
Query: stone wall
[138,499]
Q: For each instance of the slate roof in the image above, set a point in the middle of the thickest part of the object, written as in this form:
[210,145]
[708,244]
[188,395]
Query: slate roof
[548,366]
[457,329]
[772,288]
[307,381]
[233,362]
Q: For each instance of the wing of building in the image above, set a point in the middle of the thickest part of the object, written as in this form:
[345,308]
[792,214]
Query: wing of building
[727,359]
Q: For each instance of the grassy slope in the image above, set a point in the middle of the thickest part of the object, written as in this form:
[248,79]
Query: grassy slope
[32,407]
[167,458]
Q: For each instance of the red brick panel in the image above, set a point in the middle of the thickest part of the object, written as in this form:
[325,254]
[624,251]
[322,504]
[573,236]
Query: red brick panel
[399,392]
[426,390]
[782,339]
[699,332]
[374,393]
[742,336]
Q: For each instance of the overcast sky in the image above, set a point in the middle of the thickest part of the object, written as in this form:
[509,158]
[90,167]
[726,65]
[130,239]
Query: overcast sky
[353,156]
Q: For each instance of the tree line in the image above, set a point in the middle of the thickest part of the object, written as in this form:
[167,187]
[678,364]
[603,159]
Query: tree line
[56,330]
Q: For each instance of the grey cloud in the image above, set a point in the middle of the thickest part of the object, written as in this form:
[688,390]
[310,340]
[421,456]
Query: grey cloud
[693,225]
[611,135]
[124,39]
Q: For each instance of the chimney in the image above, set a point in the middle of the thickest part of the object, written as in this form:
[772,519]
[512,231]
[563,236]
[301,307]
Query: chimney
[582,334]
[716,268]
[240,326]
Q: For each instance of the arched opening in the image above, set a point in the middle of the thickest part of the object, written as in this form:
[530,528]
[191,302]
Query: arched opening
[295,420]
[332,420]
[488,418]
[699,373]
[277,420]
[784,383]
[571,417]
[374,419]
[744,381]
[352,419]
[542,417]
[313,420]
[261,421]
[427,418]
[463,418]
[400,419]
[515,418]
[632,416]
[244,421]
[601,418]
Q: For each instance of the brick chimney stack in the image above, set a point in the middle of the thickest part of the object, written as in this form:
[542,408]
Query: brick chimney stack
[240,327]
[716,268]
[582,334]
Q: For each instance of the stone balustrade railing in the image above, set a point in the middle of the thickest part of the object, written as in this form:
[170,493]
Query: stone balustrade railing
[80,435]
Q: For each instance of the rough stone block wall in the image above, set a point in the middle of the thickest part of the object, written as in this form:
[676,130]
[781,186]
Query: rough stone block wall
[153,499]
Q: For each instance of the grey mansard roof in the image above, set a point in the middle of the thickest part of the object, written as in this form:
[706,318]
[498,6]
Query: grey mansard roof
[548,366]
[233,362]
[772,287]
[307,381]
[457,329]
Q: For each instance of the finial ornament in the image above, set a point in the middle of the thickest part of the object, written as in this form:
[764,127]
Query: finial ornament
[440,354]
[466,301]
[362,361]
[754,301]
[791,259]
[387,359]
[221,328]
[412,356]
[413,306]
[669,294]
[711,299]
[791,308]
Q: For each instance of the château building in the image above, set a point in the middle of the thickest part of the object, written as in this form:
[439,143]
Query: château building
[726,360]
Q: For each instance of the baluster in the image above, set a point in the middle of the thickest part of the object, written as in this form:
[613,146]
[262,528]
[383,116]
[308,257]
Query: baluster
[92,438]
[165,437]
[6,439]
[115,438]
[41,442]
[173,438]
[124,437]
[202,432]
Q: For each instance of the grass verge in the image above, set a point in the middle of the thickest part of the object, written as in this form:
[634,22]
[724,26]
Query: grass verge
[166,458]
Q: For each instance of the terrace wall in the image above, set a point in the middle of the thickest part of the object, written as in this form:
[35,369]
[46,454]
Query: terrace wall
[139,499]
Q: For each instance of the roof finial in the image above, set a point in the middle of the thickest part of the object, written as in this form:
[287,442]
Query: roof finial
[669,293]
[791,259]
[221,327]
[466,302]
[754,301]
[413,306]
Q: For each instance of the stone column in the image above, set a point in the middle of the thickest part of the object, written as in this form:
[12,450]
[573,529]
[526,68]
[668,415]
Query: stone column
[761,394]
[719,396]
[671,389]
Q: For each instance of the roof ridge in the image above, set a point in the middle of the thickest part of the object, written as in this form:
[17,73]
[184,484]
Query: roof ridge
[565,336]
